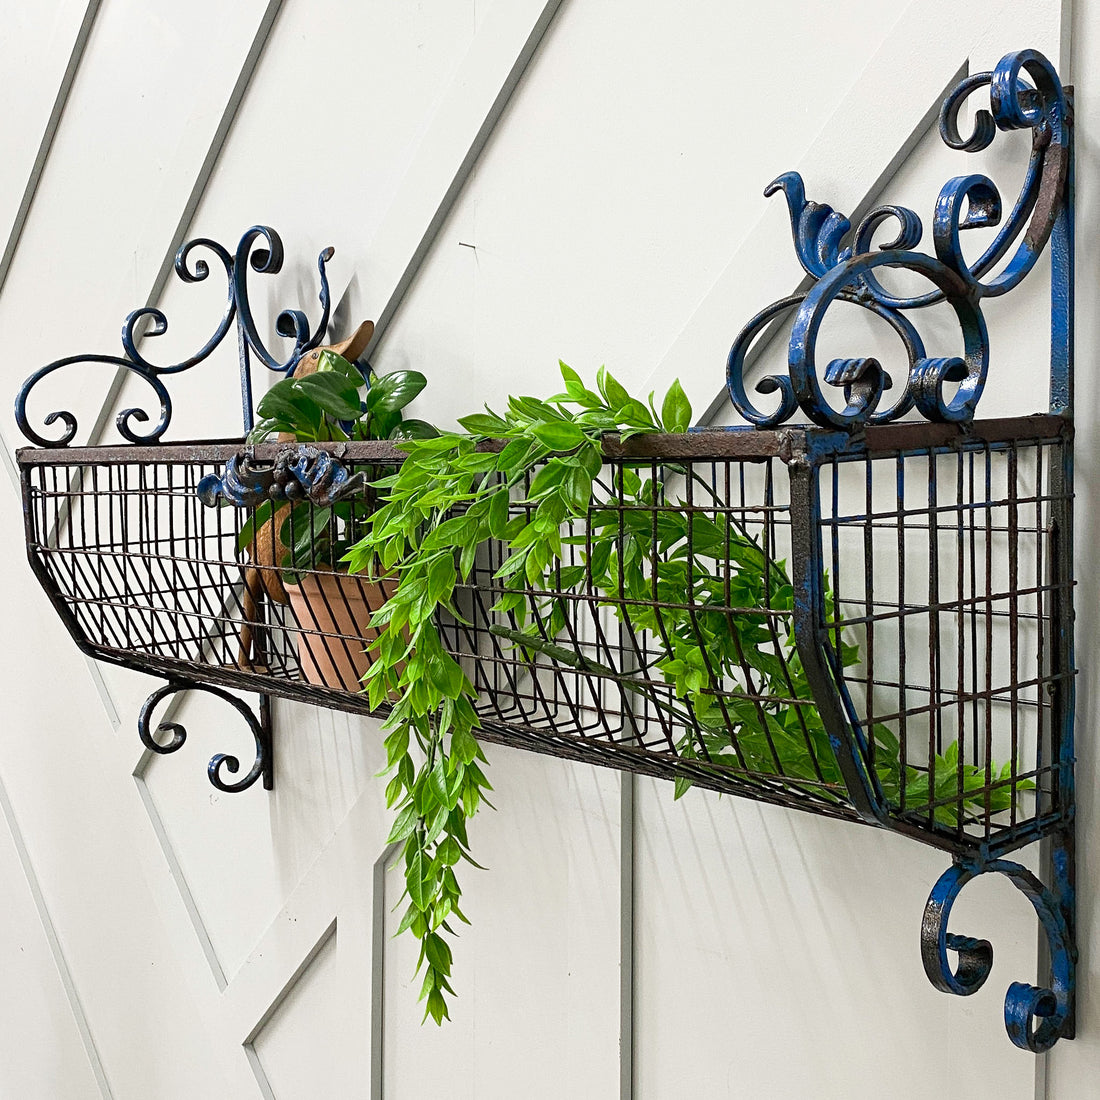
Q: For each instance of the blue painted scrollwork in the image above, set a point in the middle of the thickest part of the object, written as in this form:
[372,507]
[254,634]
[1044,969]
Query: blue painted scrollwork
[848,272]
[259,727]
[1035,1017]
[290,323]
[301,473]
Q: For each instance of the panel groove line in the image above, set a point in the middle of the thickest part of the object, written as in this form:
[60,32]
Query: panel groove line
[75,1003]
[626,936]
[198,189]
[905,149]
[175,869]
[48,135]
[34,178]
[377,968]
[254,1060]
[469,161]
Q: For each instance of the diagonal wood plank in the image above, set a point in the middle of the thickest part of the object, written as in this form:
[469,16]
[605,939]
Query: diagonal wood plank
[505,45]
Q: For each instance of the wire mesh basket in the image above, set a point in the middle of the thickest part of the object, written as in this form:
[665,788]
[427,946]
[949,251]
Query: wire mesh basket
[869,634]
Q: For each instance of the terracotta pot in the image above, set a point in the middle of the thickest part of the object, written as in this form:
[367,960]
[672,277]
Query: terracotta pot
[332,611]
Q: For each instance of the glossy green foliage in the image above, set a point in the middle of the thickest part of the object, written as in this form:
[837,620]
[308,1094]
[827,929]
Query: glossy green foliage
[338,402]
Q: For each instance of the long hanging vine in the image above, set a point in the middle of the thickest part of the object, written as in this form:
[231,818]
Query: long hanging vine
[449,497]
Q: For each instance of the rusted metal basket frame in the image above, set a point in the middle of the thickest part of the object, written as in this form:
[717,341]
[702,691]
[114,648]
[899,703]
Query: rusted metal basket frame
[804,452]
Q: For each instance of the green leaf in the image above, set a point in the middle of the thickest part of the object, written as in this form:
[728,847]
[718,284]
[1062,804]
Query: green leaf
[438,953]
[464,746]
[548,478]
[498,513]
[285,402]
[414,429]
[397,746]
[441,579]
[577,489]
[676,409]
[333,393]
[407,921]
[437,1007]
[532,409]
[437,780]
[600,559]
[614,393]
[517,455]
[558,435]
[392,392]
[483,424]
[404,825]
[265,429]
[328,361]
[436,825]
[419,889]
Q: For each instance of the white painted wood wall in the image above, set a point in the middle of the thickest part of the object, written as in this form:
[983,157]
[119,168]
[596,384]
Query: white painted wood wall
[505,184]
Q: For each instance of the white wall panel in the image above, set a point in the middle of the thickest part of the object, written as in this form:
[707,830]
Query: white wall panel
[306,1040]
[34,52]
[42,1055]
[76,806]
[241,855]
[613,191]
[779,956]
[537,973]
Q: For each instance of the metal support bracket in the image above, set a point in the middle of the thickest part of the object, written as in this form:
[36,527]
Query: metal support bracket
[264,764]
[1036,1017]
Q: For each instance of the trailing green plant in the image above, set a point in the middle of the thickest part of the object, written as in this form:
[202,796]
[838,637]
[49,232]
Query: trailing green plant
[338,402]
[453,493]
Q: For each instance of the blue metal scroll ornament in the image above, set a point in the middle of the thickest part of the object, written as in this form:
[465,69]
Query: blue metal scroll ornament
[1024,93]
[1035,1017]
[849,273]
[291,323]
[301,473]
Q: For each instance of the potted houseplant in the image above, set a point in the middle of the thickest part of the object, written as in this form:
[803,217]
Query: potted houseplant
[519,477]
[295,548]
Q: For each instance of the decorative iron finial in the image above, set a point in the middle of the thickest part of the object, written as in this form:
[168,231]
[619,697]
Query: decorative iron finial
[847,273]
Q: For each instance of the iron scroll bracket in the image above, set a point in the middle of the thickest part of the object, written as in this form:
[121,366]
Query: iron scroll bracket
[843,264]
[1036,1017]
[192,268]
[263,766]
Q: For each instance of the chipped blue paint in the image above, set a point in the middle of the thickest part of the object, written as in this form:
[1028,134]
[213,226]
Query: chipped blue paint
[301,473]
[1035,1016]
[846,273]
[1025,93]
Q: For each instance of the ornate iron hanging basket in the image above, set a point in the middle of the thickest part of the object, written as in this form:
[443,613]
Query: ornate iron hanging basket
[874,619]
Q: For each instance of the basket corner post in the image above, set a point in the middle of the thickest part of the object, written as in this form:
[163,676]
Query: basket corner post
[812,642]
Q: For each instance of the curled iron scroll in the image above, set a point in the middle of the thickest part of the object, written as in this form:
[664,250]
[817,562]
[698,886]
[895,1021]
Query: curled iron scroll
[178,735]
[190,268]
[1035,1017]
[1025,93]
[298,473]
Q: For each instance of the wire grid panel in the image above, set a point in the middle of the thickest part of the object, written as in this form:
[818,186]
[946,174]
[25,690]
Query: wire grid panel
[147,576]
[663,641]
[947,581]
